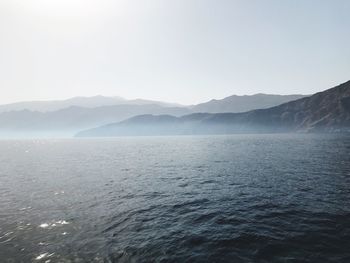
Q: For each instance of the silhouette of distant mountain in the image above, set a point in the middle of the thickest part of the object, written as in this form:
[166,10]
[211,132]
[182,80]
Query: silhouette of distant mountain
[68,121]
[67,117]
[244,103]
[327,111]
[86,102]
[230,104]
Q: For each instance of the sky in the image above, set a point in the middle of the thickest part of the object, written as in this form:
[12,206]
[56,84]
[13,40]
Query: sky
[184,51]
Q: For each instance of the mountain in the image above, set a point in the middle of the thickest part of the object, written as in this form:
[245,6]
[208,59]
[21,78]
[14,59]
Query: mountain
[327,111]
[244,103]
[68,121]
[230,104]
[62,118]
[86,102]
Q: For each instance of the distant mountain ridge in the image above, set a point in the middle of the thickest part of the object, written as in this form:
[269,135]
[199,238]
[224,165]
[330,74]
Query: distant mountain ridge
[86,102]
[232,103]
[68,121]
[64,118]
[327,111]
[244,103]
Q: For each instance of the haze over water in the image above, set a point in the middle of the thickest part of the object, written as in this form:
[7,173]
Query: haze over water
[239,198]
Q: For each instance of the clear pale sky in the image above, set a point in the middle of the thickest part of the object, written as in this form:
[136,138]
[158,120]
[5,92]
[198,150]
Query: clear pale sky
[184,51]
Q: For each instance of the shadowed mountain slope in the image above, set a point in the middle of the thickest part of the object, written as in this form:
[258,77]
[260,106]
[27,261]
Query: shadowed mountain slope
[327,111]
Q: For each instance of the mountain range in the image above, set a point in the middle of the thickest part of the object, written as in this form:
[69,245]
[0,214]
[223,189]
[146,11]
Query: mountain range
[236,103]
[68,121]
[64,118]
[86,102]
[327,111]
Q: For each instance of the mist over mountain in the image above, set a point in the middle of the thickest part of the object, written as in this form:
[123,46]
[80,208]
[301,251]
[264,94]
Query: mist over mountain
[87,102]
[244,103]
[67,117]
[68,121]
[327,111]
[232,103]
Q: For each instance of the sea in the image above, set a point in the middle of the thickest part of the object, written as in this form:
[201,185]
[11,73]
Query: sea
[237,198]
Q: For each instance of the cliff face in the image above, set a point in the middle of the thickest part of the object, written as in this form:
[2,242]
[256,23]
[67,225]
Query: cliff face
[327,111]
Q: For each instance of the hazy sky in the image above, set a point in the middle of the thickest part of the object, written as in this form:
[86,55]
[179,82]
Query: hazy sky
[183,51]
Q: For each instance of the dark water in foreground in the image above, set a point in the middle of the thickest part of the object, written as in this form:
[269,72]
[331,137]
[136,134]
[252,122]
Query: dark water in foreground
[242,198]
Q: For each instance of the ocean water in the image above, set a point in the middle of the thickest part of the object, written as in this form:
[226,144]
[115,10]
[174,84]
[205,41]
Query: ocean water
[239,198]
